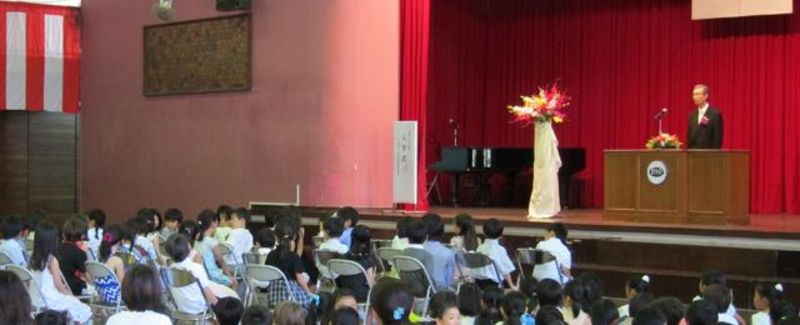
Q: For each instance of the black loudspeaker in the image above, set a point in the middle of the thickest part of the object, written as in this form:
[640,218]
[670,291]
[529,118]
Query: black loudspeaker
[233,5]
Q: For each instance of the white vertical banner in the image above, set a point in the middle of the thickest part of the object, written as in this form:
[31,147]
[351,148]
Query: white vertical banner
[405,162]
[16,60]
[53,63]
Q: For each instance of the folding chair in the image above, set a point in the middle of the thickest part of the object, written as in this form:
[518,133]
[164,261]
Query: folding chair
[263,273]
[317,241]
[254,258]
[532,257]
[475,261]
[101,272]
[321,258]
[412,271]
[342,267]
[163,257]
[375,245]
[386,258]
[34,289]
[176,279]
[4,260]
[230,258]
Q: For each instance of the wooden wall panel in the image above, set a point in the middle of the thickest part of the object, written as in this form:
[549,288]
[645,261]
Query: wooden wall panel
[13,162]
[39,163]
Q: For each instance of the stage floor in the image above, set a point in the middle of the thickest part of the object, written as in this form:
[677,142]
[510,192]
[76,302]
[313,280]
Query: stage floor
[778,224]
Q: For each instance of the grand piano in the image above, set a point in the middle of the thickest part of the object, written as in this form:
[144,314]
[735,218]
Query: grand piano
[485,161]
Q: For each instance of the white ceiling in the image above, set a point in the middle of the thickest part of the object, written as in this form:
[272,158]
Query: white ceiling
[65,3]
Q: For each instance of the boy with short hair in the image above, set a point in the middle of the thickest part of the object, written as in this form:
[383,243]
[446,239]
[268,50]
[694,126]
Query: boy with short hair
[12,227]
[223,228]
[172,220]
[240,238]
[333,227]
[350,217]
[491,247]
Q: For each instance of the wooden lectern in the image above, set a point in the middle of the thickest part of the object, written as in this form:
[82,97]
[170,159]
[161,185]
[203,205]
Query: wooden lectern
[677,186]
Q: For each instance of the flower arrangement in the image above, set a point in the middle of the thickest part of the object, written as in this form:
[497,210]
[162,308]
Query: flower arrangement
[548,105]
[664,141]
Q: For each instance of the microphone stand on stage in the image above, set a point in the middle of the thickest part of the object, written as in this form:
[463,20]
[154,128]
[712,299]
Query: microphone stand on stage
[660,116]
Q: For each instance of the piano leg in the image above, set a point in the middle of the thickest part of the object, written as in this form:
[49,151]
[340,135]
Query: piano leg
[564,191]
[454,189]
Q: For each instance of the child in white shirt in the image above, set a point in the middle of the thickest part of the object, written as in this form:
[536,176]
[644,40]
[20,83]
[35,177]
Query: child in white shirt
[716,277]
[240,238]
[633,287]
[10,245]
[97,220]
[720,296]
[555,243]
[493,230]
[189,299]
[333,227]
[764,297]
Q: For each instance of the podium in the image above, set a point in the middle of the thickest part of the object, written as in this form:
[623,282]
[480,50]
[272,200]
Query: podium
[677,186]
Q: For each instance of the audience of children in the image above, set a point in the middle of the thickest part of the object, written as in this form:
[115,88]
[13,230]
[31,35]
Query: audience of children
[142,292]
[555,299]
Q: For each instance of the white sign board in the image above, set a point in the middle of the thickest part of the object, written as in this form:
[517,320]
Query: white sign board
[405,162]
[710,9]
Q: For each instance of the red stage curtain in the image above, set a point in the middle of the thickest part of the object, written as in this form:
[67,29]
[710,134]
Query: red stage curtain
[622,61]
[414,47]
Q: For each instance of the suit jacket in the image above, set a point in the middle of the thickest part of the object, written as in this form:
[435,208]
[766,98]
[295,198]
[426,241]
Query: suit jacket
[705,136]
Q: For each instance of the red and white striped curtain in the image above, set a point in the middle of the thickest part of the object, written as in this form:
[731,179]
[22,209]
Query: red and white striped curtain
[39,58]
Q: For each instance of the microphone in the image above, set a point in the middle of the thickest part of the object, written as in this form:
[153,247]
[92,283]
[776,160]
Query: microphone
[453,123]
[660,114]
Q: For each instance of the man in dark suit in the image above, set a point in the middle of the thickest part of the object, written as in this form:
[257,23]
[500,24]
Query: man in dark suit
[705,123]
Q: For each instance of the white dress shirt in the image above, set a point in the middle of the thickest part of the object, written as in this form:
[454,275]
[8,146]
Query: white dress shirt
[701,112]
[550,270]
[498,253]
